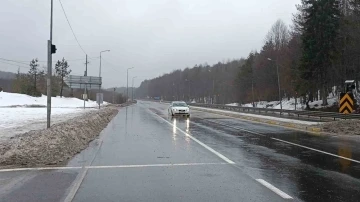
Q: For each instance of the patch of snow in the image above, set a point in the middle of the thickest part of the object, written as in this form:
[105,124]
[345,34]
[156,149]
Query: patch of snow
[290,104]
[15,99]
[233,104]
[22,118]
[16,121]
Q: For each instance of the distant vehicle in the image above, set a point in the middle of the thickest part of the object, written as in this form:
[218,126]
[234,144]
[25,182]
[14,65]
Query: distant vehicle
[179,108]
[157,98]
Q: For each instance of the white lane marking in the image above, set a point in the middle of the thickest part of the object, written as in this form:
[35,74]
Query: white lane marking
[155,165]
[197,141]
[110,166]
[80,178]
[356,161]
[274,189]
[316,150]
[237,128]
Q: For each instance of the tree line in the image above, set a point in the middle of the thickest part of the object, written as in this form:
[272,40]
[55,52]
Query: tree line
[319,50]
[34,83]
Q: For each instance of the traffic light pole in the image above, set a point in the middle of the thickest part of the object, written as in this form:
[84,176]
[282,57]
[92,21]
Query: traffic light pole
[49,70]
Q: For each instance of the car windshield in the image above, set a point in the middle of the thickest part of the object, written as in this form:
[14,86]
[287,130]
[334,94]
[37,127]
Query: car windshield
[179,100]
[179,104]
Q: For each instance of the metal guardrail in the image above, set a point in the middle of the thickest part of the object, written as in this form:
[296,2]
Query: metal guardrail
[254,110]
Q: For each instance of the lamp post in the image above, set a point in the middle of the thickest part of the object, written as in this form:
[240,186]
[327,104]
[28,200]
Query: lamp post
[132,89]
[100,75]
[278,78]
[127,81]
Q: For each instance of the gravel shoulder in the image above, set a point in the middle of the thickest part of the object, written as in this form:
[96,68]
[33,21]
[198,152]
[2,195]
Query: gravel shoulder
[344,127]
[57,144]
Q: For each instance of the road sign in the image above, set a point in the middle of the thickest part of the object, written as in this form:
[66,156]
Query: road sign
[346,103]
[99,98]
[82,82]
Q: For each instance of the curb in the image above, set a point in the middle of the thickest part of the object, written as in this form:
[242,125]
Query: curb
[296,126]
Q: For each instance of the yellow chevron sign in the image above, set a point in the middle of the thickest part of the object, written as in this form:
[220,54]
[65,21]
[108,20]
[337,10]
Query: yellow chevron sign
[346,103]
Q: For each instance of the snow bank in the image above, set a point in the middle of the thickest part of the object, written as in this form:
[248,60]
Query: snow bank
[57,144]
[290,104]
[233,104]
[15,99]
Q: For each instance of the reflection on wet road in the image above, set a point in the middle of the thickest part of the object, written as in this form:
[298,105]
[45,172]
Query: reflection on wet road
[146,155]
[306,174]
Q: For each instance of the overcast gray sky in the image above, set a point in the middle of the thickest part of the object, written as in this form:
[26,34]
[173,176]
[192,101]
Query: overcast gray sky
[154,36]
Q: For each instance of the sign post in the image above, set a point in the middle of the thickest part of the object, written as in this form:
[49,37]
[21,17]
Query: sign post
[86,83]
[99,99]
[346,103]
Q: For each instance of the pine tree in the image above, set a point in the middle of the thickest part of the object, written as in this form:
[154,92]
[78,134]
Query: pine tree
[319,34]
[33,77]
[62,71]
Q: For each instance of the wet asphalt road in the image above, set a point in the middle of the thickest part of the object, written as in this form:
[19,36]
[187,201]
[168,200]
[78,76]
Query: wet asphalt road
[145,155]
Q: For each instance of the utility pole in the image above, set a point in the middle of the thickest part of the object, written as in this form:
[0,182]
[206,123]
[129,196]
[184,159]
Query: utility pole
[127,82]
[114,96]
[49,68]
[85,92]
[212,101]
[100,74]
[278,78]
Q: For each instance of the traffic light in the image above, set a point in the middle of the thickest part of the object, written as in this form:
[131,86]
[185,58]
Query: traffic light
[53,49]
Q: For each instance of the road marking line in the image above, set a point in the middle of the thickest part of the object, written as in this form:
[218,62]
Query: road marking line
[110,166]
[274,189]
[237,128]
[197,141]
[155,165]
[356,161]
[80,178]
[316,150]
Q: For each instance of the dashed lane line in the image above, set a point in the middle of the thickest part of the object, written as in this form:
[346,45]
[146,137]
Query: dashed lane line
[349,159]
[237,128]
[287,142]
[274,189]
[196,140]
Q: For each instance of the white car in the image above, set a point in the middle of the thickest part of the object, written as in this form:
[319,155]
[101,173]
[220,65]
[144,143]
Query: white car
[179,108]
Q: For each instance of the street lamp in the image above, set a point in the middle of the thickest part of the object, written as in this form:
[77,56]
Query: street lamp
[127,81]
[100,74]
[132,89]
[278,77]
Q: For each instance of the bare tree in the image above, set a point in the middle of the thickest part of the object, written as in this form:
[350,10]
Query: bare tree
[279,35]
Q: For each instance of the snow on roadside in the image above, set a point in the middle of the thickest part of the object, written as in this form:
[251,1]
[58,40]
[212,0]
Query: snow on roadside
[21,119]
[15,99]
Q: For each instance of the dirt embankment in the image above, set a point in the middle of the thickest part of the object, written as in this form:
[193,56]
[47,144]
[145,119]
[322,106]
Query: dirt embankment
[345,127]
[57,144]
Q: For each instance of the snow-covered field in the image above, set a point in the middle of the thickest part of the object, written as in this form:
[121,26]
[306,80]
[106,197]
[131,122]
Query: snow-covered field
[15,99]
[20,113]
